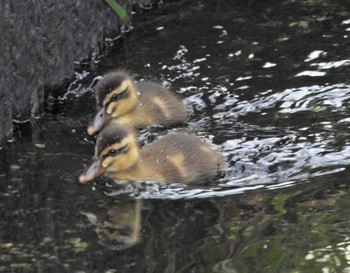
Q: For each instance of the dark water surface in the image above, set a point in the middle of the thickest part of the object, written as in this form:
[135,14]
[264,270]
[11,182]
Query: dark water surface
[268,83]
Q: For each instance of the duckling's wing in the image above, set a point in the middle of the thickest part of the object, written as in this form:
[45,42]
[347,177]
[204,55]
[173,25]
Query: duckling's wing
[165,107]
[183,158]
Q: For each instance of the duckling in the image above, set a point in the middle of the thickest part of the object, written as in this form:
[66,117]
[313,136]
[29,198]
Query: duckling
[176,157]
[118,97]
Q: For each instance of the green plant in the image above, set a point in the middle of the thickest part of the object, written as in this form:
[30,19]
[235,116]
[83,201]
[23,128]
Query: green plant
[119,10]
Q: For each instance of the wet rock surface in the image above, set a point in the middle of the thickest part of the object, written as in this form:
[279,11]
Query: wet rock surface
[41,41]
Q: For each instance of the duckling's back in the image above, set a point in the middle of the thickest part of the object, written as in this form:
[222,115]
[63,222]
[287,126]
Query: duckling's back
[183,158]
[159,105]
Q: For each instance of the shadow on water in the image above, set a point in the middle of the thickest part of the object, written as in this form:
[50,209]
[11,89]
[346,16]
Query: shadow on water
[267,84]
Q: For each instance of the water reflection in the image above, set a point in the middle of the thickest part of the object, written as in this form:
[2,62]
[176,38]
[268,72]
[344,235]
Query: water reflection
[118,223]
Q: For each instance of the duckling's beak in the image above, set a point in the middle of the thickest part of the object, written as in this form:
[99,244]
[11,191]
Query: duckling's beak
[99,121]
[92,172]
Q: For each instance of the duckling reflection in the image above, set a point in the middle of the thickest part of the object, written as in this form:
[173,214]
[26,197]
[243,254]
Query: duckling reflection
[174,158]
[119,98]
[118,227]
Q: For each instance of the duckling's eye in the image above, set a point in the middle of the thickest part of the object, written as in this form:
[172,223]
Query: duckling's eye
[115,152]
[112,152]
[122,95]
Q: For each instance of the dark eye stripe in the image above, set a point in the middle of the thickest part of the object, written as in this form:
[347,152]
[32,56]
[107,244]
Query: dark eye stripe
[122,95]
[115,152]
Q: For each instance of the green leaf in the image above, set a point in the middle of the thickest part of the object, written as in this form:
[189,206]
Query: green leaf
[119,10]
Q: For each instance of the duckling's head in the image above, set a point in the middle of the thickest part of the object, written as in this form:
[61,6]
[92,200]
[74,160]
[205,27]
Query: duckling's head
[116,94]
[116,150]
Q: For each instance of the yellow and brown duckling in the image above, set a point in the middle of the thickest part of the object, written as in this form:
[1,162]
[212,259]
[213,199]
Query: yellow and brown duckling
[141,104]
[176,157]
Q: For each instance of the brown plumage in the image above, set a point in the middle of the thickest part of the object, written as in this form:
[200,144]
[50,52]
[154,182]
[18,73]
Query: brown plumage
[141,104]
[176,157]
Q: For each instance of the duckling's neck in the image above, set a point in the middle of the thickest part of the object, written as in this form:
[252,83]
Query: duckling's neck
[140,171]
